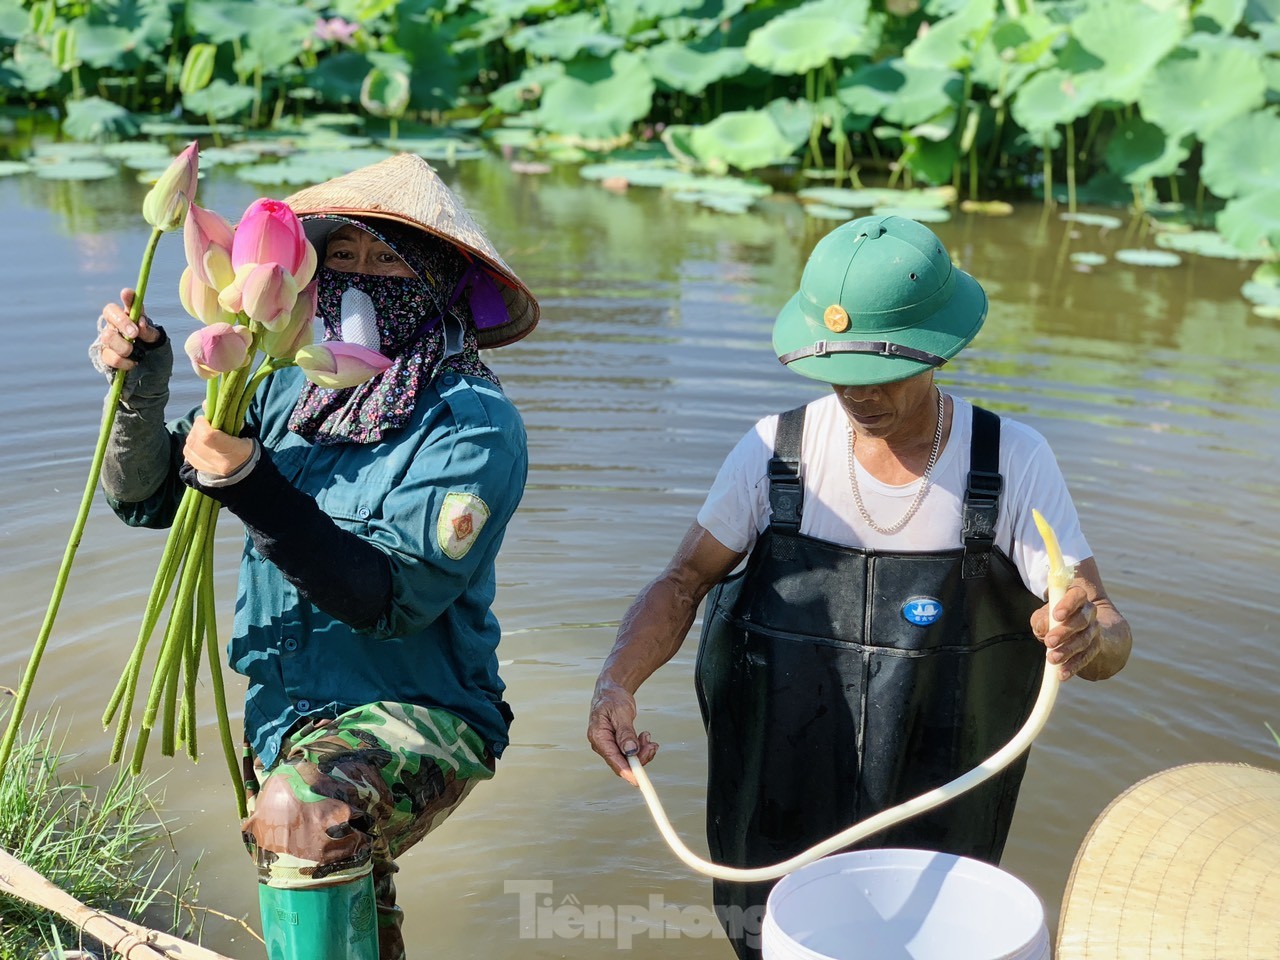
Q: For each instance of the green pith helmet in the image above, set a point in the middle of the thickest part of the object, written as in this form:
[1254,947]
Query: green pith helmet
[879,301]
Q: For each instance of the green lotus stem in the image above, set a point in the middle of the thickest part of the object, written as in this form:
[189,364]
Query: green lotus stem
[191,665]
[167,573]
[1048,173]
[1071,167]
[219,693]
[82,515]
[171,651]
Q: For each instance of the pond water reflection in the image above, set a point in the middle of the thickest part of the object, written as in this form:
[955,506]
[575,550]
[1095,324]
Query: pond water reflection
[1158,390]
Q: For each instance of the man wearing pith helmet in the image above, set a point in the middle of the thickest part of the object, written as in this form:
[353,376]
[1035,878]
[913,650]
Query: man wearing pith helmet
[889,630]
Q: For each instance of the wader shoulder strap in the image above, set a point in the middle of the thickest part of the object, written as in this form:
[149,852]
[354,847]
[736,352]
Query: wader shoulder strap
[786,494]
[982,496]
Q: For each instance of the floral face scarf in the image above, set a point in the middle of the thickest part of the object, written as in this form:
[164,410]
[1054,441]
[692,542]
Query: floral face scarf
[406,327]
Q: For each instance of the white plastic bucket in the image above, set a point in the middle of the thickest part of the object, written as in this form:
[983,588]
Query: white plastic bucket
[903,905]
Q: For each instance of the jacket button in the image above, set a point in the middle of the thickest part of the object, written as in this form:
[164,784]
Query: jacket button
[364,513]
[449,379]
[303,706]
[290,644]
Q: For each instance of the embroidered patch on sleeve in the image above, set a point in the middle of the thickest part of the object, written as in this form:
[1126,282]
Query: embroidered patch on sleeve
[462,517]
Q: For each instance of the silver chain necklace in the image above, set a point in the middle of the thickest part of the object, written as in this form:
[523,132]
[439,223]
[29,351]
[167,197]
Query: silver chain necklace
[924,480]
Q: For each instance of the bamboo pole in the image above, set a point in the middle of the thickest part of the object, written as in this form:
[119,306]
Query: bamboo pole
[123,937]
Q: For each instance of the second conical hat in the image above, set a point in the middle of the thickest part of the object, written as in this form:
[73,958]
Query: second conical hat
[405,188]
[1184,865]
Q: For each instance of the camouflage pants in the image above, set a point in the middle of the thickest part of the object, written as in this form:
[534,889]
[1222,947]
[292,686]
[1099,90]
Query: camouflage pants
[349,795]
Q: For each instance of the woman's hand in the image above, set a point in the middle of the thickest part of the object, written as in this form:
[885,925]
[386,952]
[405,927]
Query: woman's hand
[214,452]
[117,332]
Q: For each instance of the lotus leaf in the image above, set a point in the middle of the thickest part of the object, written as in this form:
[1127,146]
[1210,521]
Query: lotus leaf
[821,211]
[1268,36]
[813,34]
[1128,39]
[67,151]
[178,128]
[444,147]
[1088,259]
[75,170]
[324,140]
[925,93]
[1199,93]
[220,100]
[870,89]
[923,214]
[100,46]
[1243,156]
[277,35]
[723,203]
[513,136]
[513,9]
[598,100]
[33,70]
[1262,294]
[1100,220]
[625,15]
[96,119]
[148,27]
[1148,258]
[849,198]
[310,167]
[1206,243]
[436,71]
[679,67]
[932,162]
[1252,222]
[1048,100]
[520,93]
[1013,51]
[647,174]
[1218,16]
[9,168]
[731,186]
[678,139]
[226,156]
[950,43]
[793,117]
[385,93]
[746,139]
[564,37]
[13,21]
[220,21]
[1139,151]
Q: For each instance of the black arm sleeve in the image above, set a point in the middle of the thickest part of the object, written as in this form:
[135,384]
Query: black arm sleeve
[345,576]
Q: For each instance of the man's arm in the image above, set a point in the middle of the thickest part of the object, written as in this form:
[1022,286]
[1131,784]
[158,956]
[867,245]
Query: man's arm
[1092,639]
[651,632]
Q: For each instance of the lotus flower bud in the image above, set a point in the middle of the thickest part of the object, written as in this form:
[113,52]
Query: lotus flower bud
[218,348]
[336,365]
[201,301]
[166,203]
[271,233]
[269,294]
[207,239]
[284,342]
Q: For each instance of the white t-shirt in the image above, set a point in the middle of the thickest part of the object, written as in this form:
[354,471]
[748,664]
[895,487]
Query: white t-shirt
[736,510]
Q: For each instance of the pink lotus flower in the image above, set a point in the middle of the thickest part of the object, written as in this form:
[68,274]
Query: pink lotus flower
[299,332]
[271,233]
[218,348]
[166,203]
[207,239]
[336,30]
[264,292]
[335,364]
[201,300]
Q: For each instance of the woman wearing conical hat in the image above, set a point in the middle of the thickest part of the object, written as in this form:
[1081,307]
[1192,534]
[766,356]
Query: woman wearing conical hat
[374,514]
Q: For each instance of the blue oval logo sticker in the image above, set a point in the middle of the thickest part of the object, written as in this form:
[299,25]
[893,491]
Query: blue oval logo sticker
[921,611]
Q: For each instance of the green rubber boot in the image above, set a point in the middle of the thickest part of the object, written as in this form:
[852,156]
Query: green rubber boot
[320,923]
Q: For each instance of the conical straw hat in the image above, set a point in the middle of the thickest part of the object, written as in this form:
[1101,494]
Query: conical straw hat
[1184,865]
[406,189]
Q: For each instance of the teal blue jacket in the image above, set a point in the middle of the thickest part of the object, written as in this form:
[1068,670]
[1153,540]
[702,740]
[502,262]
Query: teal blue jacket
[435,497]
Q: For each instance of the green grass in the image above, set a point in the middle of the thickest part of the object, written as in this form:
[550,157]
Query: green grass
[107,846]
